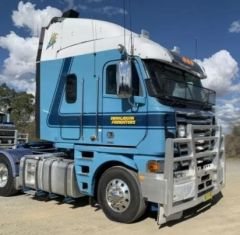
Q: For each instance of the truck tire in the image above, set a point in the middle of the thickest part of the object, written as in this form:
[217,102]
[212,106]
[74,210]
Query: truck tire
[6,178]
[120,196]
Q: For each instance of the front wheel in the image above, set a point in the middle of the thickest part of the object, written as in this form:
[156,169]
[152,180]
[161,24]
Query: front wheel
[120,196]
[6,178]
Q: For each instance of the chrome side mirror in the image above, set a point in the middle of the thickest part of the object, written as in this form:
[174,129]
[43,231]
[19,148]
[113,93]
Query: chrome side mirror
[124,79]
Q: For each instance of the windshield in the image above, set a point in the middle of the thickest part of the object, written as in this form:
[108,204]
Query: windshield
[168,82]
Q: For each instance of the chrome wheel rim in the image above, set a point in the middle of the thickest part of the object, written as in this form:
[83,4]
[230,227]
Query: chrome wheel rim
[3,175]
[118,195]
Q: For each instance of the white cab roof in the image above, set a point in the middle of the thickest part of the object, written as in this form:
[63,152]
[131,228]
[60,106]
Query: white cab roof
[76,36]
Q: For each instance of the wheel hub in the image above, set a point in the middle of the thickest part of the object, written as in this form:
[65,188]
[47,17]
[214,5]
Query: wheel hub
[3,175]
[118,195]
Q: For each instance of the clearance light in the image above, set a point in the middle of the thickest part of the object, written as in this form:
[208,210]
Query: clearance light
[187,61]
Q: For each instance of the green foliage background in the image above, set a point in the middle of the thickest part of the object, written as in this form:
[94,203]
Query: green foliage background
[232,142]
[21,107]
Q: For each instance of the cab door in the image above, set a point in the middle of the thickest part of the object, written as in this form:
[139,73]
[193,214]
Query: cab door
[124,121]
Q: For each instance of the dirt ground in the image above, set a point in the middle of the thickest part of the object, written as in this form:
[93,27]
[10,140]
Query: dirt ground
[25,214]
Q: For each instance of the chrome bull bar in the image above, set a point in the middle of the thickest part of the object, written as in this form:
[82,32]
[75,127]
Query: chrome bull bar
[186,192]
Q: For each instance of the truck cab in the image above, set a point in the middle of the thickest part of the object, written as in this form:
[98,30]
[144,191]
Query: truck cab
[129,115]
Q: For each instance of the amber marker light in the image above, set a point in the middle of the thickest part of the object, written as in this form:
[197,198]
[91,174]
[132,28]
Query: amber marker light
[154,166]
[187,61]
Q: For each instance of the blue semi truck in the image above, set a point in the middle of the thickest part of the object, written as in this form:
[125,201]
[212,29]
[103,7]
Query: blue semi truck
[131,123]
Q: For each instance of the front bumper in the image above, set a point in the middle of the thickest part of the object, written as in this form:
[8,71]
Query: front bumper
[177,191]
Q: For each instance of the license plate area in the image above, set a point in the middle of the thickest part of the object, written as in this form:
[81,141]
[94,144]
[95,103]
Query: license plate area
[208,196]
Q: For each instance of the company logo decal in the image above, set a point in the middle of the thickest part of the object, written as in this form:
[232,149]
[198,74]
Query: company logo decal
[52,40]
[123,120]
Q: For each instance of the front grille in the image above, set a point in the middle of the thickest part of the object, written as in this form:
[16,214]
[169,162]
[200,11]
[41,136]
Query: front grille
[6,136]
[201,145]
[196,119]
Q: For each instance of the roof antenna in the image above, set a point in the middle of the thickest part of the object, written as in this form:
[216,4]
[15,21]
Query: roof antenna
[123,48]
[130,22]
[124,26]
[196,48]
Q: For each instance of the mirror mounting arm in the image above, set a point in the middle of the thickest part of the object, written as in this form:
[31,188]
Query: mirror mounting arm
[133,104]
[124,55]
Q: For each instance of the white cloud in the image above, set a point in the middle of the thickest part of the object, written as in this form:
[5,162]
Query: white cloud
[106,10]
[235,27]
[71,4]
[19,68]
[228,113]
[221,69]
[33,19]
[91,6]
[22,54]
[111,10]
[222,76]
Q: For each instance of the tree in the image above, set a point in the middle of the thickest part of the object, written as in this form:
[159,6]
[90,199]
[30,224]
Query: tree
[22,108]
[236,130]
[6,97]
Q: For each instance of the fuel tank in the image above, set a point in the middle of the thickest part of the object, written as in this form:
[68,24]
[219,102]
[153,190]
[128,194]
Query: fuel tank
[49,173]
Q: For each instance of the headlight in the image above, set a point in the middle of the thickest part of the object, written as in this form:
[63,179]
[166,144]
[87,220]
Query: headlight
[181,131]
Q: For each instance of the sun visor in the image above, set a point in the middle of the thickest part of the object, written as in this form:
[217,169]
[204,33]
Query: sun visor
[188,64]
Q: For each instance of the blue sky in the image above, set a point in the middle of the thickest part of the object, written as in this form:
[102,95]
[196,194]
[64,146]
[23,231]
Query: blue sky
[170,22]
[215,25]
